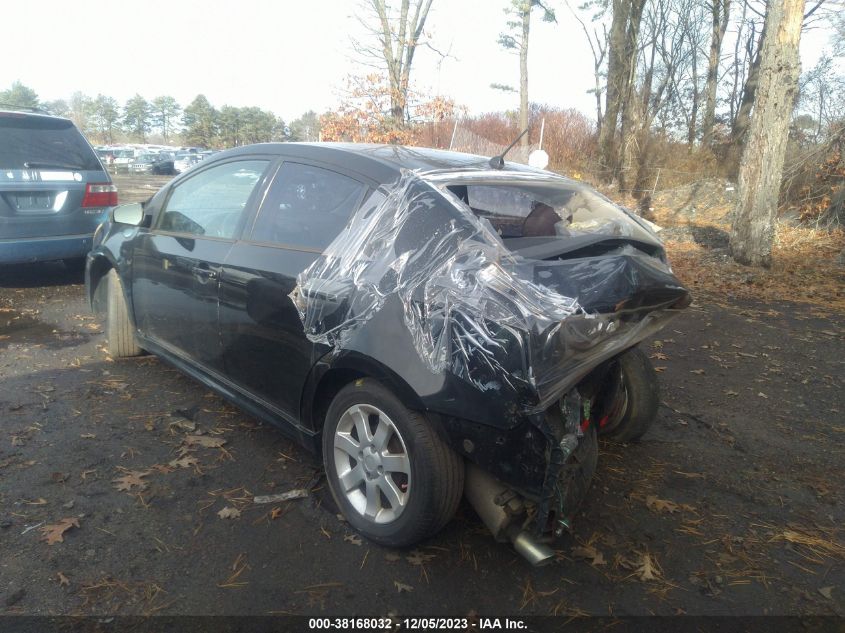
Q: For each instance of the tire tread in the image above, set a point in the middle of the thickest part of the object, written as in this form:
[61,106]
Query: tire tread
[119,329]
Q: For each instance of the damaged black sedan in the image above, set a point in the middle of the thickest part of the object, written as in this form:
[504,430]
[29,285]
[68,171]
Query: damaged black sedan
[434,323]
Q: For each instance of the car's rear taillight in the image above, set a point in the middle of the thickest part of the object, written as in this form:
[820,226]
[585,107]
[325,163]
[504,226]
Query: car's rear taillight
[100,195]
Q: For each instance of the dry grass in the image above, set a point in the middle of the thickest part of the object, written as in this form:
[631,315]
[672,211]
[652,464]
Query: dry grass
[804,267]
[804,270]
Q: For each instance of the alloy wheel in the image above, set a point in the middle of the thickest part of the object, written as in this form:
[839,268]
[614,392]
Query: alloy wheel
[372,464]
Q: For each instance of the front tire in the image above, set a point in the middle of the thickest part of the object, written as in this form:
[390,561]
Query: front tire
[119,329]
[392,476]
[636,397]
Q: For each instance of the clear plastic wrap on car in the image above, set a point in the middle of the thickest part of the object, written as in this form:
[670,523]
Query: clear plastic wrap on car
[474,308]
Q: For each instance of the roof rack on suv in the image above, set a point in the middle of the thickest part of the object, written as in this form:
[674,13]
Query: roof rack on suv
[14,106]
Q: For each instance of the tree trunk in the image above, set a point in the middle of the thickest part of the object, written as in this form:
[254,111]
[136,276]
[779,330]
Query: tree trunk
[762,159]
[613,95]
[523,75]
[398,61]
[693,115]
[721,13]
[749,92]
[629,104]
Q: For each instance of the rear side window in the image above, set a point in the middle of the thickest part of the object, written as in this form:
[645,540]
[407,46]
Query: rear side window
[541,210]
[307,206]
[212,202]
[36,142]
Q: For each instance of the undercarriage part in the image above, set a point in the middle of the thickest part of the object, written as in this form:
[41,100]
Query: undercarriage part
[504,513]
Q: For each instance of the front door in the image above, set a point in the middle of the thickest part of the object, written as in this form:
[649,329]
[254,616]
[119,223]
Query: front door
[177,263]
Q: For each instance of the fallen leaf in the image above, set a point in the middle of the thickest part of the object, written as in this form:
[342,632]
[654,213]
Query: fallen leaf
[185,462]
[762,395]
[41,501]
[229,513]
[659,369]
[731,393]
[648,569]
[54,533]
[659,356]
[660,505]
[204,441]
[417,557]
[826,592]
[63,580]
[134,479]
[391,557]
[588,552]
[354,539]
[184,425]
[88,436]
[700,372]
[402,587]
[275,513]
[163,468]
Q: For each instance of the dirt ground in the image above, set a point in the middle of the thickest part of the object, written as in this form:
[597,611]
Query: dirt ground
[731,504]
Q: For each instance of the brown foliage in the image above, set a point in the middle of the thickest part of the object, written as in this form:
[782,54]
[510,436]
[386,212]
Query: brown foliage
[814,182]
[364,115]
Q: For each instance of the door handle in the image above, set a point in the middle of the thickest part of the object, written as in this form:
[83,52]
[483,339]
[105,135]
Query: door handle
[204,273]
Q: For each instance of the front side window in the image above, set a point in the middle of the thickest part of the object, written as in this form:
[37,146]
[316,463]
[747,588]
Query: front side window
[306,206]
[212,202]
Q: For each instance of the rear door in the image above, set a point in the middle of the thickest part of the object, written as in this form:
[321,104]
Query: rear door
[45,165]
[265,350]
[176,264]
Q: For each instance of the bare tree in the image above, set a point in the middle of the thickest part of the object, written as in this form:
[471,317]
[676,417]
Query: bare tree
[621,71]
[752,78]
[761,169]
[398,33]
[598,46]
[720,16]
[519,25]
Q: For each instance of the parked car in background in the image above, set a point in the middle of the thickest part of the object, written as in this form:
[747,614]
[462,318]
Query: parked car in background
[434,323]
[123,158]
[183,162]
[157,164]
[54,191]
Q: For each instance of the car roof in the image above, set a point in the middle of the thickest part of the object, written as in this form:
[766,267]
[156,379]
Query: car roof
[30,113]
[382,163]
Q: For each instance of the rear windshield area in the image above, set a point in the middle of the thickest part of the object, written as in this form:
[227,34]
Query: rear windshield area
[36,142]
[520,210]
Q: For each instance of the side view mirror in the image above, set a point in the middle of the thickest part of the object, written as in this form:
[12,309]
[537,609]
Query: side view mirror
[131,213]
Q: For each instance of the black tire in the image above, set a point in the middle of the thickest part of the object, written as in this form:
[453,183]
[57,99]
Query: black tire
[436,478]
[636,400]
[119,329]
[577,473]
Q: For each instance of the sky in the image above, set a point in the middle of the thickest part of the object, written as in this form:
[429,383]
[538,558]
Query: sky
[286,56]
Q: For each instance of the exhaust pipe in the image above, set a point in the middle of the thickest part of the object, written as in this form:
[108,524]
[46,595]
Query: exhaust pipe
[538,554]
[503,512]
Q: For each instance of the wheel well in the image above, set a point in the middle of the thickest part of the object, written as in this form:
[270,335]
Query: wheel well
[330,385]
[100,267]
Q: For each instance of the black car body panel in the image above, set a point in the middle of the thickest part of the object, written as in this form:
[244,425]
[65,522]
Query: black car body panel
[271,326]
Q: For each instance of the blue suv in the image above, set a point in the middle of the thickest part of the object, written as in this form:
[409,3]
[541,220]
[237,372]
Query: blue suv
[54,191]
